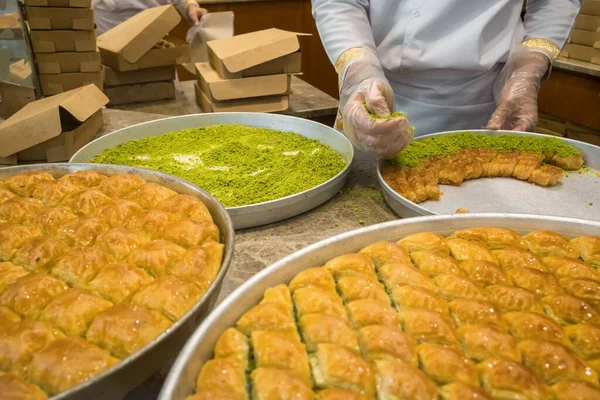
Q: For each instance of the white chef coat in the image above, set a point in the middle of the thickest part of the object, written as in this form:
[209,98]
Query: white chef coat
[110,13]
[441,57]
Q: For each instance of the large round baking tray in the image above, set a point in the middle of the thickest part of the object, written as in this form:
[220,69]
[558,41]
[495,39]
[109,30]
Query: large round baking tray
[181,380]
[117,381]
[578,196]
[255,214]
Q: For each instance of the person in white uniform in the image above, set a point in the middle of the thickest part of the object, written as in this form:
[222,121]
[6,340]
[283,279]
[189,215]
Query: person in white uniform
[110,13]
[448,64]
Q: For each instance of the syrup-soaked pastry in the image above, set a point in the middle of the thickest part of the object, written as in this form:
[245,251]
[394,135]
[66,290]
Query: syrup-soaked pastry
[233,344]
[150,194]
[571,268]
[169,295]
[476,312]
[546,175]
[65,363]
[84,179]
[462,391]
[472,250]
[120,185]
[424,241]
[7,317]
[273,350]
[571,163]
[21,340]
[494,238]
[18,208]
[538,282]
[513,257]
[117,281]
[398,380]
[79,265]
[585,339]
[550,244]
[406,297]
[185,206]
[73,311]
[527,162]
[554,362]
[481,342]
[357,287]
[396,275]
[14,387]
[155,256]
[429,327]
[485,272]
[504,378]
[351,264]
[585,289]
[384,342]
[588,248]
[225,376]
[270,384]
[6,194]
[371,312]
[191,232]
[323,328]
[50,219]
[86,202]
[123,329]
[117,212]
[82,231]
[151,223]
[529,325]
[341,394]
[510,298]
[567,309]
[13,236]
[199,265]
[120,242]
[318,278]
[313,300]
[595,364]
[337,366]
[52,192]
[29,294]
[38,254]
[454,287]
[382,253]
[8,274]
[435,263]
[23,184]
[279,294]
[570,390]
[268,317]
[445,365]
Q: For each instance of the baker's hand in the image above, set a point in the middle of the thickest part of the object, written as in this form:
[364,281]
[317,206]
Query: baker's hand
[516,91]
[366,104]
[195,13]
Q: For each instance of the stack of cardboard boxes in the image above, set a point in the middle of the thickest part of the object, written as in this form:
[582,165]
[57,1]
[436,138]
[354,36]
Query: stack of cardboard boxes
[584,43]
[139,57]
[64,42]
[249,73]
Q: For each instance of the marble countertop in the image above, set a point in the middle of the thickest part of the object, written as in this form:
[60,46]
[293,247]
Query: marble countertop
[581,67]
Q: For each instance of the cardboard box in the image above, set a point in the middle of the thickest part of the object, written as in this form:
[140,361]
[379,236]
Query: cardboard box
[232,56]
[290,64]
[60,63]
[158,74]
[59,83]
[63,41]
[219,89]
[59,3]
[583,53]
[129,46]
[585,38]
[56,126]
[140,93]
[260,104]
[587,22]
[60,18]
[591,7]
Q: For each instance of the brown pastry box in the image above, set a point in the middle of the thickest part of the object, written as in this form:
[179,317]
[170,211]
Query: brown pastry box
[583,53]
[56,126]
[63,41]
[52,84]
[60,18]
[586,38]
[60,63]
[138,93]
[591,7]
[588,22]
[129,46]
[158,74]
[259,104]
[59,3]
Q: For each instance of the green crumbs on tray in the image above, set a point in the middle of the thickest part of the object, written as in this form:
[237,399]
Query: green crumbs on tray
[239,165]
[444,145]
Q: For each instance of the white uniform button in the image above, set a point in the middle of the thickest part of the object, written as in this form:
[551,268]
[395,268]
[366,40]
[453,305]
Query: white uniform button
[416,14]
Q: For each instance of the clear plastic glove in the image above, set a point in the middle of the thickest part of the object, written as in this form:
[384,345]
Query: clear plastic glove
[195,13]
[366,103]
[516,91]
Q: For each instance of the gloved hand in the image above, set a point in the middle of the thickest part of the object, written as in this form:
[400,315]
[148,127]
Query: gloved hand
[194,12]
[516,91]
[366,102]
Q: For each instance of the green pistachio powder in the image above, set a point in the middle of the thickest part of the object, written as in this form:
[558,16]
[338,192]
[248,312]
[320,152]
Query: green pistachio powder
[239,165]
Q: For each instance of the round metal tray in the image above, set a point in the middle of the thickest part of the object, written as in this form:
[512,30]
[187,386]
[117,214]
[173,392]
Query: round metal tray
[254,214]
[117,381]
[181,380]
[578,196]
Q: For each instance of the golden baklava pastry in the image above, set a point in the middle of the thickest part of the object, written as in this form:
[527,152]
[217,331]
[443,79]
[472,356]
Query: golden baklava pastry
[150,194]
[571,268]
[385,341]
[40,253]
[86,202]
[529,325]
[511,298]
[481,342]
[268,383]
[151,223]
[398,380]
[13,387]
[470,250]
[462,391]
[358,287]
[199,265]
[79,265]
[351,264]
[406,297]
[435,263]
[588,248]
[445,365]
[382,253]
[82,231]
[424,241]
[22,184]
[504,378]
[279,294]
[120,242]
[225,376]
[274,350]
[513,257]
[454,287]
[341,394]
[19,208]
[494,238]
[570,390]
[13,236]
[429,327]
[567,309]
[586,289]
[191,232]
[476,312]
[50,219]
[232,343]
[313,300]
[323,328]
[52,192]
[585,339]
[550,244]
[117,212]
[538,282]
[119,186]
[396,275]
[185,206]
[6,194]
[155,256]
[117,281]
[371,312]
[318,278]
[485,273]
[7,317]
[84,179]
[268,317]
[9,273]
[28,295]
